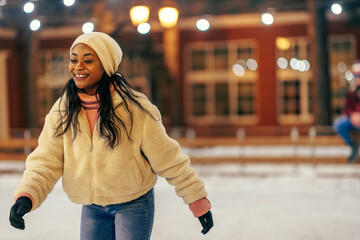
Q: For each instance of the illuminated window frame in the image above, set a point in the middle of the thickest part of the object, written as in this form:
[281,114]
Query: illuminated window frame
[298,49]
[340,62]
[210,76]
[53,73]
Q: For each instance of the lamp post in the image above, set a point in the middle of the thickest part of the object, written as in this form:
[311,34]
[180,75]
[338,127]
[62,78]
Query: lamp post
[168,17]
[139,14]
[168,14]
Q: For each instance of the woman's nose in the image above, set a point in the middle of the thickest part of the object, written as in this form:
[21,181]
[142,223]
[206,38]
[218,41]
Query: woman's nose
[79,65]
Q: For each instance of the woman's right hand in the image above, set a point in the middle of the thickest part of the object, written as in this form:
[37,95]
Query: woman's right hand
[22,206]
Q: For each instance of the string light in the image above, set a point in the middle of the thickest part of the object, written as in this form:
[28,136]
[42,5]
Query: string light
[143,28]
[267,18]
[171,12]
[336,8]
[69,3]
[35,25]
[29,7]
[203,24]
[88,27]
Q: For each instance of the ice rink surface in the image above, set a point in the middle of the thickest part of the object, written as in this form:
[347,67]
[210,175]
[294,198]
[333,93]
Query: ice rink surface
[250,202]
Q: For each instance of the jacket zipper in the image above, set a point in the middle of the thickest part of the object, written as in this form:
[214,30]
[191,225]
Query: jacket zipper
[91,145]
[91,138]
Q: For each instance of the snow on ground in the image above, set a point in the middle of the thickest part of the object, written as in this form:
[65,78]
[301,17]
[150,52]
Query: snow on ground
[250,202]
[331,151]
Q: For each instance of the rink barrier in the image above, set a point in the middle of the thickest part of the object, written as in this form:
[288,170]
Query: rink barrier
[17,148]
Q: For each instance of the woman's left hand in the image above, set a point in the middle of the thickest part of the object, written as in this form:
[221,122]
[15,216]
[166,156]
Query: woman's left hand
[355,119]
[206,221]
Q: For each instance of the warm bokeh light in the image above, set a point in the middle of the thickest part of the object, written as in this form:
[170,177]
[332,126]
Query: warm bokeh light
[238,70]
[242,62]
[283,43]
[307,65]
[168,17]
[88,27]
[139,14]
[69,3]
[267,18]
[143,28]
[282,63]
[203,24]
[35,25]
[29,7]
[300,65]
[252,64]
[341,67]
[349,76]
[336,8]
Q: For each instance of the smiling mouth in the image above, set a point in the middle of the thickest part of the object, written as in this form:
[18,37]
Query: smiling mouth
[80,75]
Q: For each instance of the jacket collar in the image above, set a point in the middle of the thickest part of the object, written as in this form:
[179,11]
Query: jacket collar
[117,100]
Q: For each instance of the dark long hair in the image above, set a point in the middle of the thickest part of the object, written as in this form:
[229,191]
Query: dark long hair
[110,124]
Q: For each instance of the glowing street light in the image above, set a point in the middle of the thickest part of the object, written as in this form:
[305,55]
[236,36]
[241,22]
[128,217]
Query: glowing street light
[139,14]
[267,18]
[168,17]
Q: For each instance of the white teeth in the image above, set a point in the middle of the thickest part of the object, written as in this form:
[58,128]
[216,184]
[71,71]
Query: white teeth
[80,76]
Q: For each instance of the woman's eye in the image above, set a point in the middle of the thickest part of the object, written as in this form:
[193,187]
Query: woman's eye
[73,61]
[88,61]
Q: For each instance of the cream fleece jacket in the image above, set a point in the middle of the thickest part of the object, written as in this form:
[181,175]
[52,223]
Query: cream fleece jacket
[92,172]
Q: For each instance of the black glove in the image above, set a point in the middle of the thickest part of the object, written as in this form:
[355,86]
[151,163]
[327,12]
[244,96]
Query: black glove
[22,205]
[206,221]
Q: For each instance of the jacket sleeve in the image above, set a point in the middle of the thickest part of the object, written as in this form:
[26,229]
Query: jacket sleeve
[44,166]
[165,157]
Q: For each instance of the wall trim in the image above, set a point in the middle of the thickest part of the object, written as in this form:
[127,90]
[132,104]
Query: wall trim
[7,33]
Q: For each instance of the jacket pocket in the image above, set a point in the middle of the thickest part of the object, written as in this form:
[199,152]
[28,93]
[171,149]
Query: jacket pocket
[138,171]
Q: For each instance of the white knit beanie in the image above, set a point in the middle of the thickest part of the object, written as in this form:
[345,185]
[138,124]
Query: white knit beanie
[107,49]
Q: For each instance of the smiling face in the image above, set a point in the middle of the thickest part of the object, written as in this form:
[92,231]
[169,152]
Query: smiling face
[85,68]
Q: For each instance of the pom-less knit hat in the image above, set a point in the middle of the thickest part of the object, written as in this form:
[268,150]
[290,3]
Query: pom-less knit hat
[107,49]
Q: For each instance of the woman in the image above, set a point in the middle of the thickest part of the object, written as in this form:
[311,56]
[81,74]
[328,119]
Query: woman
[349,121]
[108,144]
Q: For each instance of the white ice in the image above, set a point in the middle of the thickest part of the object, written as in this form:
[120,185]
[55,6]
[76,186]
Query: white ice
[250,202]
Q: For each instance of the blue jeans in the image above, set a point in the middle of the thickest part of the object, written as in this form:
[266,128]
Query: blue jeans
[126,221]
[343,127]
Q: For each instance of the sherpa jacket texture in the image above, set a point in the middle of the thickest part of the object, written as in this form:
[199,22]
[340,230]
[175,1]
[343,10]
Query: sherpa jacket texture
[92,172]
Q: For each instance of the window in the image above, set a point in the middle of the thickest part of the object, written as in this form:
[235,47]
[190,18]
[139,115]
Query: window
[220,82]
[245,99]
[53,73]
[291,97]
[342,56]
[199,99]
[294,77]
[221,99]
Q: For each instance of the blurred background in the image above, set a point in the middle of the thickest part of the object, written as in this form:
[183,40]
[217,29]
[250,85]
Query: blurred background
[221,69]
[242,85]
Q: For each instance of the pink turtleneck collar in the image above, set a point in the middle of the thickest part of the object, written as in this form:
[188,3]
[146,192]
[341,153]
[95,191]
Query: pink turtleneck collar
[91,106]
